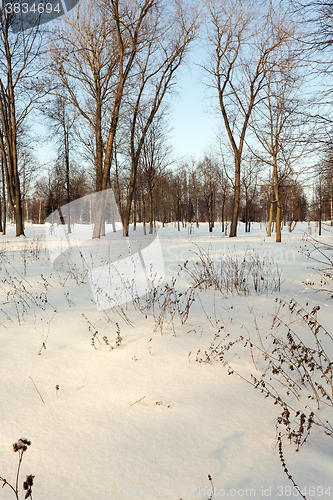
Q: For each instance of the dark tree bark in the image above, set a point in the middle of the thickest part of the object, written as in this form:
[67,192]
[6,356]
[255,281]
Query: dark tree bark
[18,55]
[4,201]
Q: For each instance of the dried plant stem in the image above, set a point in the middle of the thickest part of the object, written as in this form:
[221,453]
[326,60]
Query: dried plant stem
[138,401]
[37,389]
[284,465]
[8,484]
[18,472]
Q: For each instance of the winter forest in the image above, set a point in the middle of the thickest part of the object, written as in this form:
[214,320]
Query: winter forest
[99,84]
[165,309]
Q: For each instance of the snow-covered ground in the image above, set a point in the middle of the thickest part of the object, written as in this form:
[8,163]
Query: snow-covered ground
[147,419]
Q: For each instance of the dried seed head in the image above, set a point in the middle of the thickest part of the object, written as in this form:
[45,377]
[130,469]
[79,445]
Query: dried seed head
[25,441]
[27,485]
[29,482]
[21,445]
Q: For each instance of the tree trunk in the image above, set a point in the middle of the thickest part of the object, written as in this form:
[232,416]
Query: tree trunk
[278,205]
[143,213]
[127,211]
[39,210]
[151,221]
[222,213]
[68,199]
[1,213]
[18,215]
[134,211]
[211,213]
[331,195]
[99,147]
[8,141]
[4,201]
[247,216]
[236,201]
[99,221]
[18,212]
[10,171]
[271,207]
[3,204]
[142,201]
[320,208]
[178,218]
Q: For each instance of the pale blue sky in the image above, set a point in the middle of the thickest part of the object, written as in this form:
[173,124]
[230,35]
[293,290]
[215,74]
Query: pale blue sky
[194,114]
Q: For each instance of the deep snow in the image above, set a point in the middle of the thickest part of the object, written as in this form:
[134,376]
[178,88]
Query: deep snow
[145,420]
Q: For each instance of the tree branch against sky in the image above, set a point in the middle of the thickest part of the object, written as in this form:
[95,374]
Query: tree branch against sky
[170,31]
[282,128]
[19,93]
[84,61]
[242,47]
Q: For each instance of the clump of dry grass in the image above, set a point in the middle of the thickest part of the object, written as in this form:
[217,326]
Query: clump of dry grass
[234,273]
[95,338]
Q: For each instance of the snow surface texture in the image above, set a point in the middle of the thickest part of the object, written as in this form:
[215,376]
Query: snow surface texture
[145,419]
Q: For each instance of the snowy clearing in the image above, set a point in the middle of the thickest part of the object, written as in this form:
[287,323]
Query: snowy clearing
[143,413]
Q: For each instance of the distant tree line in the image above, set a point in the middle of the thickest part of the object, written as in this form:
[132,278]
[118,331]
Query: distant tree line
[192,194]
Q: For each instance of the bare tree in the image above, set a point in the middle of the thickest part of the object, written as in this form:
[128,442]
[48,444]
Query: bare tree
[179,190]
[83,61]
[92,56]
[3,200]
[63,118]
[280,128]
[242,48]
[18,94]
[224,189]
[250,179]
[329,176]
[209,183]
[114,59]
[171,27]
[195,189]
[293,202]
[155,158]
[29,168]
